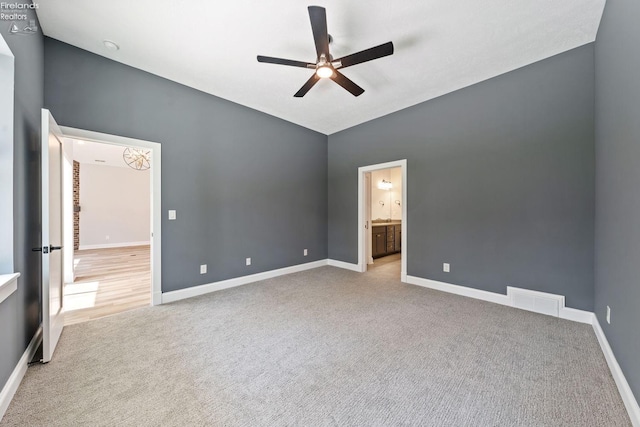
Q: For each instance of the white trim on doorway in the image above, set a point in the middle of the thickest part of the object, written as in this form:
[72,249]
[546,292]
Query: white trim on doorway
[362,246]
[156,203]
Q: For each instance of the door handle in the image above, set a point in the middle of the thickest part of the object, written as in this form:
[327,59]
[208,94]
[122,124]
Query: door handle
[54,248]
[44,249]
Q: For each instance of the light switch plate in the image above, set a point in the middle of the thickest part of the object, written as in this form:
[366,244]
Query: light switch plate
[203,269]
[248,261]
[446,267]
[172,215]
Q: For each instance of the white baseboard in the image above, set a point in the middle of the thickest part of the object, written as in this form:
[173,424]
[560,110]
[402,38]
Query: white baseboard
[567,313]
[156,298]
[575,315]
[10,388]
[345,265]
[113,245]
[460,290]
[237,281]
[629,400]
[194,291]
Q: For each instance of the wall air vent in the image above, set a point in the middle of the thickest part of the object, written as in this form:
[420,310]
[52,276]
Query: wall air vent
[539,302]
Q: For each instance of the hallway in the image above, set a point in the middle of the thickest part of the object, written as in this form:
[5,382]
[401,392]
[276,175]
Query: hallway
[108,281]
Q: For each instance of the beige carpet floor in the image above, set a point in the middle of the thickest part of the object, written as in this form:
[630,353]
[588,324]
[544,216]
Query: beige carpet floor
[325,347]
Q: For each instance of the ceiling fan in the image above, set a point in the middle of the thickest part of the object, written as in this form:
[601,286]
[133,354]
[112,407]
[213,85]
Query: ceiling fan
[325,66]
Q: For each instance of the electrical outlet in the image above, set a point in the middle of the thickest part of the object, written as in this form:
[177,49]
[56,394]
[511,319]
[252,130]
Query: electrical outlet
[608,315]
[446,267]
[172,215]
[305,252]
[203,269]
[248,261]
[106,237]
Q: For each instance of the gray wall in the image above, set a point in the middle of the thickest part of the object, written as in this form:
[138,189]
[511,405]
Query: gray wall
[20,314]
[244,184]
[618,183]
[500,180]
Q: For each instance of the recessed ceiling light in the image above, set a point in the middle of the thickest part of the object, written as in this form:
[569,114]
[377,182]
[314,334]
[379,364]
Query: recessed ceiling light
[111,45]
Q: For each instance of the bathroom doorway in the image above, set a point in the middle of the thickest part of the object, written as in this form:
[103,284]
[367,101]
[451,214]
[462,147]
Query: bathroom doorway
[383,219]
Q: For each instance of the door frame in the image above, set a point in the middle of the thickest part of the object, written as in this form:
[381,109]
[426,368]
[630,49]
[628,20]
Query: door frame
[367,218]
[362,235]
[156,195]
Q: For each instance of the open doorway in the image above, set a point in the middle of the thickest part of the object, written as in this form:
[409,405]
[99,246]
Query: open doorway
[382,218]
[111,198]
[385,250]
[111,231]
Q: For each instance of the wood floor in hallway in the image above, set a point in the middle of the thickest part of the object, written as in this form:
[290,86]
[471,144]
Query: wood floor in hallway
[108,281]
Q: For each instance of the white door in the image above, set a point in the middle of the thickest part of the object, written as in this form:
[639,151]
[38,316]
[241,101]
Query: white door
[52,286]
[367,220]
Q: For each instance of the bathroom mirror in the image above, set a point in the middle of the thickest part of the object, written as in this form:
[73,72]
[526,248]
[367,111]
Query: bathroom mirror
[386,195]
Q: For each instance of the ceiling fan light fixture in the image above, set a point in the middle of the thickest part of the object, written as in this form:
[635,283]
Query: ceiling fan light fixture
[325,66]
[324,72]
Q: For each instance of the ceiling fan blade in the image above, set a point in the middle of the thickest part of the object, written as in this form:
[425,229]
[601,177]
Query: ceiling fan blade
[318,16]
[308,85]
[280,61]
[343,81]
[385,49]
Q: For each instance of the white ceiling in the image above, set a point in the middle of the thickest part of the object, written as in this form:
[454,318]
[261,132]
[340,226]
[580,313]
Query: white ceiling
[440,46]
[88,152]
